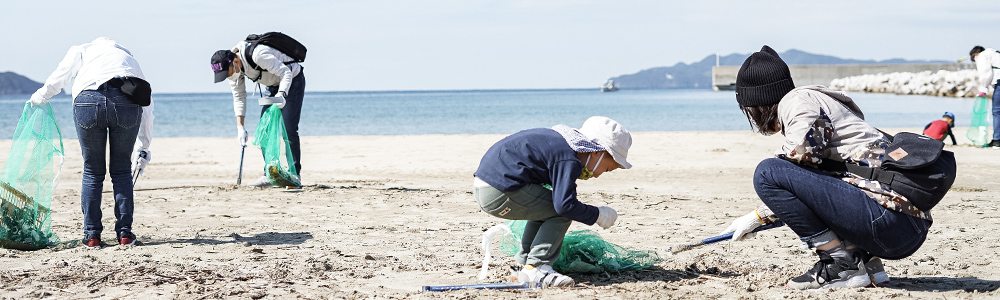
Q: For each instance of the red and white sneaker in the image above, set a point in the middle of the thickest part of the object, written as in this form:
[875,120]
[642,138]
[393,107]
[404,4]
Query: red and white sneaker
[92,243]
[126,238]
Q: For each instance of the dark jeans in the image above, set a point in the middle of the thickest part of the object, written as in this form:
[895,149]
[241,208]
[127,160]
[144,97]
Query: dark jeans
[105,117]
[291,113]
[996,110]
[814,205]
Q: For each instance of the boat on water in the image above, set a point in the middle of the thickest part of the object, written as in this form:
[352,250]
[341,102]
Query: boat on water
[609,86]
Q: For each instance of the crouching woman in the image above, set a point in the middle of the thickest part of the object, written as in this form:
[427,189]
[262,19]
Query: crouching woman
[510,184]
[848,220]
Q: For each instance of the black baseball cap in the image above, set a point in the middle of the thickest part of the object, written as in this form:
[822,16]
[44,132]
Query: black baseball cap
[220,64]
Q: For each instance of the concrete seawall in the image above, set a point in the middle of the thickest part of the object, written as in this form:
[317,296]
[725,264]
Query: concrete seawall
[724,77]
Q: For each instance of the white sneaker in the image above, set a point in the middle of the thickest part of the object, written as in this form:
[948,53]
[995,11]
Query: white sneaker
[543,276]
[261,182]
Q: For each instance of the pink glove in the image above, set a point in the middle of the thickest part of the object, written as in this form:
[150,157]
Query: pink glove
[981,94]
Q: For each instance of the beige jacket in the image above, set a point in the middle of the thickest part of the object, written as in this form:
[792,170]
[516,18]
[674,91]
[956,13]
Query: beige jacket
[799,110]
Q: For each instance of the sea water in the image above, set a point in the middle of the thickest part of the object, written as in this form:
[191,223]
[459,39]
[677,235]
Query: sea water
[486,111]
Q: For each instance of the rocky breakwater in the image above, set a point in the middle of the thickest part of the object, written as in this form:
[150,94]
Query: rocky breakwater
[941,83]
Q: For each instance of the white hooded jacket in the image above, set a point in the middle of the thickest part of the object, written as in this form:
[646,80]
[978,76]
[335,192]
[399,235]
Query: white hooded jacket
[988,67]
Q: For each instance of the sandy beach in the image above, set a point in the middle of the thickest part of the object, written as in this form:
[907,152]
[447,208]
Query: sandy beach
[381,216]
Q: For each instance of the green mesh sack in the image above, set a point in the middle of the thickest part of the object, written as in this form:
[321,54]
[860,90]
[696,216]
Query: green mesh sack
[979,129]
[584,252]
[272,139]
[510,243]
[27,179]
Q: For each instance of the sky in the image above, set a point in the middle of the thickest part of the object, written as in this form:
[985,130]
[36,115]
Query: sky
[377,45]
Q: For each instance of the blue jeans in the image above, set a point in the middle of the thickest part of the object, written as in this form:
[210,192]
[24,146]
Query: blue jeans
[819,207]
[543,233]
[996,110]
[106,117]
[291,113]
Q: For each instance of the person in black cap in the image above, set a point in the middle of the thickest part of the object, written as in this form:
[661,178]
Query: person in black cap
[988,68]
[282,79]
[848,220]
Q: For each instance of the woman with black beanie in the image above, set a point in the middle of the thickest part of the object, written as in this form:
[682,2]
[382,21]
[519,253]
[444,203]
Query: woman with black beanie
[850,221]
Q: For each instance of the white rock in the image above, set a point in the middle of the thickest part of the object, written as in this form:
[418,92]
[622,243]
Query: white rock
[941,83]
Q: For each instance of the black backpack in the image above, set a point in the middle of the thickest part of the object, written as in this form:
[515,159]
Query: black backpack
[277,40]
[914,166]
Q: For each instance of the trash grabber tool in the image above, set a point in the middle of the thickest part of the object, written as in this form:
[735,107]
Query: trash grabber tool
[716,239]
[482,286]
[239,178]
[138,171]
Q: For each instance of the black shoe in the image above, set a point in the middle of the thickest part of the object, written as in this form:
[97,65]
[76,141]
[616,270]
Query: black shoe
[994,144]
[830,273]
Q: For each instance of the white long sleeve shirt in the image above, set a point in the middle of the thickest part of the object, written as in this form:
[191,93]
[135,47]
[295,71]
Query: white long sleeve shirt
[276,73]
[89,66]
[988,66]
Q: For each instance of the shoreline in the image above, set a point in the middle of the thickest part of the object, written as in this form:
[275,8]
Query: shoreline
[380,216]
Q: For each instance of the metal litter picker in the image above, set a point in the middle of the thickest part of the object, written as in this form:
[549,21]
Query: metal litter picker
[481,286]
[719,238]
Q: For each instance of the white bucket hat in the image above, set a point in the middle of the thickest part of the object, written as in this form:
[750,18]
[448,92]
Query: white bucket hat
[610,135]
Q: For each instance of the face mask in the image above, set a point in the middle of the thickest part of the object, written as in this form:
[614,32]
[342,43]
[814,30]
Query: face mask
[587,174]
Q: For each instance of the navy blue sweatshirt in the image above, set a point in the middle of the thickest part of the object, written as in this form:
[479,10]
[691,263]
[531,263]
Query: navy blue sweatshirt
[538,156]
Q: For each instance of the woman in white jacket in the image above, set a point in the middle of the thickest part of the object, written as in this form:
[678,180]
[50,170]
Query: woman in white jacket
[849,220]
[104,117]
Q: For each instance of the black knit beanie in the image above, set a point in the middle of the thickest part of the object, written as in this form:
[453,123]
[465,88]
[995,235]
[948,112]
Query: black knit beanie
[763,79]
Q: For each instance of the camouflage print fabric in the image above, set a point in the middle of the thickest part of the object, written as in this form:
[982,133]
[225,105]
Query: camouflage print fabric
[871,156]
[810,153]
[887,197]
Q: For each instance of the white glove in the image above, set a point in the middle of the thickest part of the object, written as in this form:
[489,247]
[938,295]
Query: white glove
[606,217]
[742,226]
[37,100]
[241,135]
[282,103]
[140,158]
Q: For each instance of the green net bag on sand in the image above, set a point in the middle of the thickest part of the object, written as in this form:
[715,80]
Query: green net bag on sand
[27,179]
[584,252]
[272,139]
[979,129]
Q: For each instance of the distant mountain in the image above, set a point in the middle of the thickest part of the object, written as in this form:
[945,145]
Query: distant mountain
[699,74]
[13,84]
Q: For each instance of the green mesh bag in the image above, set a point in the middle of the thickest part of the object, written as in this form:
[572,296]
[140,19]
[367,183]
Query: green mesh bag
[979,129]
[272,139]
[27,179]
[584,252]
